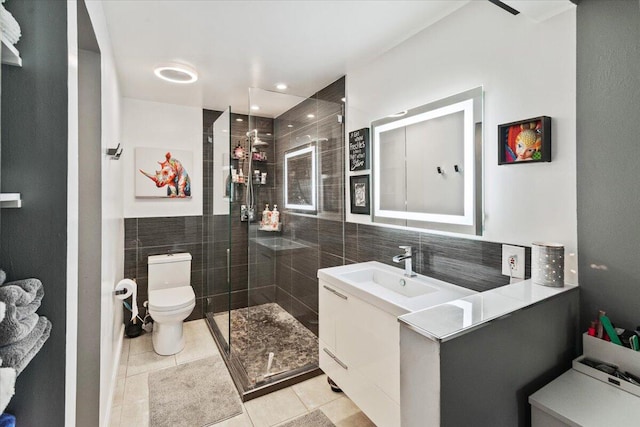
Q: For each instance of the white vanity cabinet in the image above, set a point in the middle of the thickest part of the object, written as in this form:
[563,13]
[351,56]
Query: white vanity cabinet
[360,351]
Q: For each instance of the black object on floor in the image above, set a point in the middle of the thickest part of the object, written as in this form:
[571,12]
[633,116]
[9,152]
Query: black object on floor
[133,330]
[334,386]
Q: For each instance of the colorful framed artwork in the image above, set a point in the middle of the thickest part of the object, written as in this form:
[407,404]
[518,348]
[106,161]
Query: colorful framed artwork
[525,141]
[360,200]
[163,173]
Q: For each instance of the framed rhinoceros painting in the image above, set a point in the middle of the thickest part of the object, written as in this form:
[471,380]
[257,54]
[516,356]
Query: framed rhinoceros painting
[162,172]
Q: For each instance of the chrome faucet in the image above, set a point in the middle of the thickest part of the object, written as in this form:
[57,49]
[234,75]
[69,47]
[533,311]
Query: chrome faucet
[406,257]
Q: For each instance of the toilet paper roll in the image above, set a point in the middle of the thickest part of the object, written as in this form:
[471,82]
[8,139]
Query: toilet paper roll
[131,289]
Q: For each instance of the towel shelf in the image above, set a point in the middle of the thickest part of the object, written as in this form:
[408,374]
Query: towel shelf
[10,200]
[10,55]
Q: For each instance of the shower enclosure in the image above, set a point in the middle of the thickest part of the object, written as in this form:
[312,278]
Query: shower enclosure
[265,202]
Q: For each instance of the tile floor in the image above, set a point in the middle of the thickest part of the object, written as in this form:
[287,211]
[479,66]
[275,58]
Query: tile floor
[131,405]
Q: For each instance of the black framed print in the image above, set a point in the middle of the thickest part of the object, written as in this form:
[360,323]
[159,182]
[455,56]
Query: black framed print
[360,200]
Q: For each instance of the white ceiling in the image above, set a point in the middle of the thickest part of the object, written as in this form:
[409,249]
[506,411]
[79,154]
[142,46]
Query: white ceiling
[236,45]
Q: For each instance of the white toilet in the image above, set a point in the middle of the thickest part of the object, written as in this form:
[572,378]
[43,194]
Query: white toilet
[171,300]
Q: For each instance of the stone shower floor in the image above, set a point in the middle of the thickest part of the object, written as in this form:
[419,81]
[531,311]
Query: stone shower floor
[258,330]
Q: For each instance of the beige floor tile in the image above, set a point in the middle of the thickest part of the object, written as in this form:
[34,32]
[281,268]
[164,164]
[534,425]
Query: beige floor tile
[136,387]
[198,345]
[197,349]
[140,344]
[135,414]
[149,361]
[315,392]
[118,393]
[196,326]
[339,409]
[122,370]
[114,417]
[125,347]
[124,358]
[275,408]
[237,421]
[358,419]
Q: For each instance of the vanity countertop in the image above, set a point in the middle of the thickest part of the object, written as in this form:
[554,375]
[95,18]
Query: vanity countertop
[451,319]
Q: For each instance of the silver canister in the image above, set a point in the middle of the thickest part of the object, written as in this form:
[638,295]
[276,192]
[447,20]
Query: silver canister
[547,264]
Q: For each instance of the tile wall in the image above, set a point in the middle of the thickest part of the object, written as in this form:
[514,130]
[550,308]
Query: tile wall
[156,236]
[322,233]
[227,231]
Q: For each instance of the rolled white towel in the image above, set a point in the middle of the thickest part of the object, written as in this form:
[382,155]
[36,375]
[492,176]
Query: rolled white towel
[9,37]
[3,310]
[7,386]
[8,21]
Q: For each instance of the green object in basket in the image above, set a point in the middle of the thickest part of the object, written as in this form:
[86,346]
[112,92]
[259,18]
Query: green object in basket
[633,342]
[608,327]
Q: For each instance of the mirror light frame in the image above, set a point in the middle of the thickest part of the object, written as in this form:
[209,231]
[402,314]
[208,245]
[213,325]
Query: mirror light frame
[295,153]
[468,217]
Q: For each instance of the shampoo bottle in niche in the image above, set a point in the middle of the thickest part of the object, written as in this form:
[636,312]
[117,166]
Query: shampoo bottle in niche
[266,216]
[275,217]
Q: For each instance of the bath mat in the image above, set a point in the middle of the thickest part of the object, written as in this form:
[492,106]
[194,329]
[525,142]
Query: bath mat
[195,394]
[316,418]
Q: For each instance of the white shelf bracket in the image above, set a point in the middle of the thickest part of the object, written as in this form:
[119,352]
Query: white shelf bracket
[10,200]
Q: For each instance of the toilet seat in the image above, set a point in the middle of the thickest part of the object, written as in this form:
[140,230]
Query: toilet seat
[171,299]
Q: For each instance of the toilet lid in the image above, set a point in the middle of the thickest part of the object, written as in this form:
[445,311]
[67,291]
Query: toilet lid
[171,299]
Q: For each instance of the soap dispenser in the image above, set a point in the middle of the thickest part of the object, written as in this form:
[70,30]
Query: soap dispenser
[275,217]
[266,216]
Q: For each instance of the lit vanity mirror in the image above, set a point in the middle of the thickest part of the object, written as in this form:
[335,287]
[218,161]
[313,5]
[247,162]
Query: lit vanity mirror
[300,179]
[427,165]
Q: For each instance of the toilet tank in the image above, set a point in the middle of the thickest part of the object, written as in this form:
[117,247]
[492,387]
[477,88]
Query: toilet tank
[169,271]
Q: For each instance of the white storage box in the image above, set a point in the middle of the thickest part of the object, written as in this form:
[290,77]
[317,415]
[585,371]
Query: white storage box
[624,358]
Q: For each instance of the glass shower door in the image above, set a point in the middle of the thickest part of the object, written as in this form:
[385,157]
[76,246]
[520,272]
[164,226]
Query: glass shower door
[282,345]
[217,209]
[263,259]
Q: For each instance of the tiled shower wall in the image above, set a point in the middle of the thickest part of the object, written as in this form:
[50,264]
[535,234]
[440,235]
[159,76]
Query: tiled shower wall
[296,270]
[227,231]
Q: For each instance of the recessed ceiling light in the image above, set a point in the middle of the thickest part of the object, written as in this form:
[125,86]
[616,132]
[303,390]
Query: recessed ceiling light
[176,73]
[255,107]
[268,133]
[343,99]
[310,116]
[281,86]
[399,114]
[289,126]
[239,120]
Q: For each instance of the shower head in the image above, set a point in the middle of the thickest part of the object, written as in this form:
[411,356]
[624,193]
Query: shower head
[257,142]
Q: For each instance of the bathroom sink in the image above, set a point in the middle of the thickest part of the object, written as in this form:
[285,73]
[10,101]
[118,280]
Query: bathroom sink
[387,288]
[393,281]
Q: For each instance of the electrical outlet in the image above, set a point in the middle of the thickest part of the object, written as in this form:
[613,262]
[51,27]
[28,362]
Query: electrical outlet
[513,261]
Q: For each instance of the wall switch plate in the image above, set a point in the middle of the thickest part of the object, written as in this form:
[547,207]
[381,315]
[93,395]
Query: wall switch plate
[507,252]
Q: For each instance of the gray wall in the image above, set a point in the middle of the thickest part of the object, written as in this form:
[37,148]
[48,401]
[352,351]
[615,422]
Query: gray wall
[608,169]
[488,374]
[90,222]
[33,239]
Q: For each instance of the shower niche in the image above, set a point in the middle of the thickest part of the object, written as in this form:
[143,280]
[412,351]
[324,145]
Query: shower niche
[264,309]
